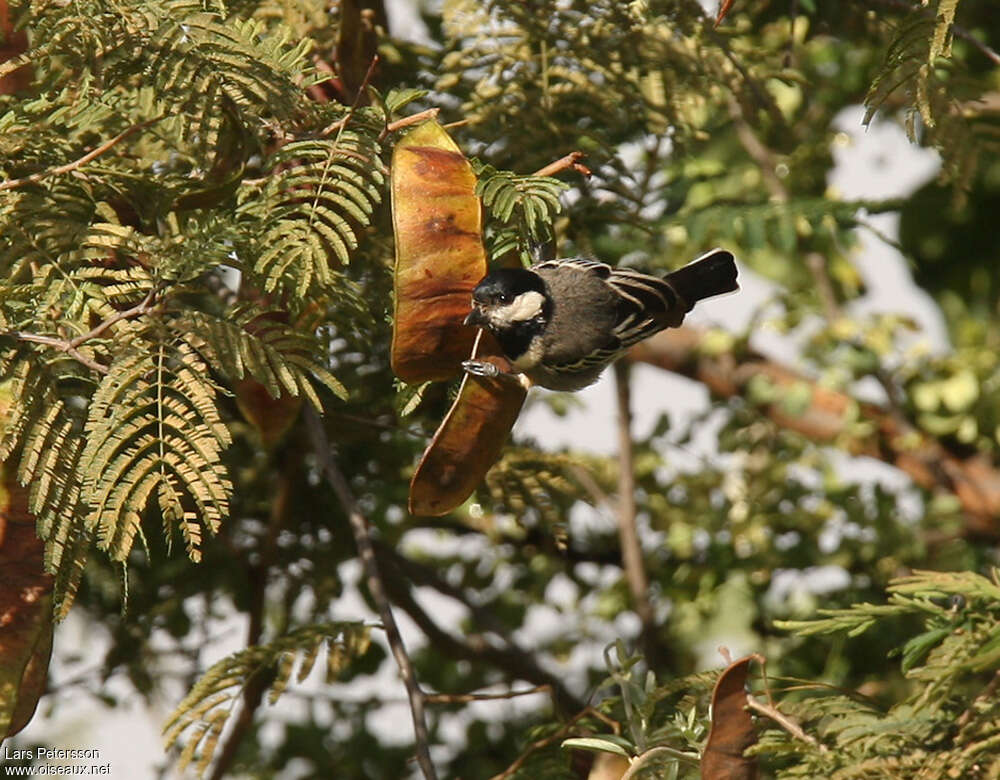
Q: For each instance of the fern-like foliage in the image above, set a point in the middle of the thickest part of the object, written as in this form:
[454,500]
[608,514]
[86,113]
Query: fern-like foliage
[322,193]
[153,429]
[246,343]
[527,479]
[521,209]
[167,149]
[921,72]
[48,432]
[949,723]
[200,718]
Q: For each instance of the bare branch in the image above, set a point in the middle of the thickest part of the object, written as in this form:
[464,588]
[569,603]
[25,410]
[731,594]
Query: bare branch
[784,721]
[406,121]
[366,552]
[830,418]
[257,577]
[92,154]
[71,346]
[62,345]
[628,533]
[465,698]
[571,160]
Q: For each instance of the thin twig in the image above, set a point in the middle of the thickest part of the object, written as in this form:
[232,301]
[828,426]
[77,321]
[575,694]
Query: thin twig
[143,307]
[758,152]
[60,344]
[465,698]
[539,744]
[400,573]
[406,121]
[257,577]
[92,154]
[628,533]
[340,124]
[824,285]
[571,160]
[366,552]
[641,762]
[71,346]
[784,721]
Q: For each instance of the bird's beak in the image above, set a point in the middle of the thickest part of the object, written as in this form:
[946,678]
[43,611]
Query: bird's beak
[475,318]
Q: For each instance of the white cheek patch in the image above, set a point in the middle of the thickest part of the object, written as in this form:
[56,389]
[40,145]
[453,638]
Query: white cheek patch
[525,306]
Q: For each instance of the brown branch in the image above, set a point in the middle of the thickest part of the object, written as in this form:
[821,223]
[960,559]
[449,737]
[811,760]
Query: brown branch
[92,154]
[466,698]
[784,721]
[406,121]
[571,160]
[340,124]
[257,577]
[540,744]
[71,346]
[628,532]
[835,418]
[62,345]
[366,552]
[758,152]
[399,572]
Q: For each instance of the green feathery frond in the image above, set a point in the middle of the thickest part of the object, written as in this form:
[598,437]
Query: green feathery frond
[520,209]
[204,712]
[248,342]
[321,194]
[946,726]
[44,436]
[525,478]
[152,426]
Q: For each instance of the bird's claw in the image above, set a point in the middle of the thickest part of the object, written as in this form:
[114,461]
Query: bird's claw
[481,368]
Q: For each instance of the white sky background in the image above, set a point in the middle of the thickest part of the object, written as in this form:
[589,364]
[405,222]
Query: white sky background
[877,163]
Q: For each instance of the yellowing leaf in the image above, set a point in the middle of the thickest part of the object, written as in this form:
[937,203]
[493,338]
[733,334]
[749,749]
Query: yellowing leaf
[440,257]
[469,440]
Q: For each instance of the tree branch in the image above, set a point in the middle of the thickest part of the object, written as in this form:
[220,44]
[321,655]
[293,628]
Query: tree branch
[830,417]
[628,532]
[512,659]
[784,721]
[92,154]
[540,744]
[366,552]
[571,160]
[71,346]
[466,698]
[257,576]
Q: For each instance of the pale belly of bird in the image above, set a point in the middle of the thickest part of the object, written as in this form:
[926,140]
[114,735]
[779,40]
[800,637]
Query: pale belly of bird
[564,380]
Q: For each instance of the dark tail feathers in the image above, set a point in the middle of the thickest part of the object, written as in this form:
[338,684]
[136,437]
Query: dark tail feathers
[711,274]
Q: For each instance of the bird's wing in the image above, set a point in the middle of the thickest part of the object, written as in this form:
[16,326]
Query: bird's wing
[647,304]
[581,264]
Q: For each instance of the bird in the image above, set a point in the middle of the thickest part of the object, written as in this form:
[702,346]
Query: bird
[561,322]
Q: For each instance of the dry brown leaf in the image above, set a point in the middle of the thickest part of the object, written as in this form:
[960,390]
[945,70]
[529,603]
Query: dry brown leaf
[732,729]
[469,440]
[439,254]
[25,603]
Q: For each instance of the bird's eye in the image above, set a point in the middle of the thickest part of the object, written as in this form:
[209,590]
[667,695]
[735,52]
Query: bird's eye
[503,298]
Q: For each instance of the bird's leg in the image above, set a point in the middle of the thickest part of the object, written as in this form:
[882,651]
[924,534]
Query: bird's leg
[488,370]
[482,368]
